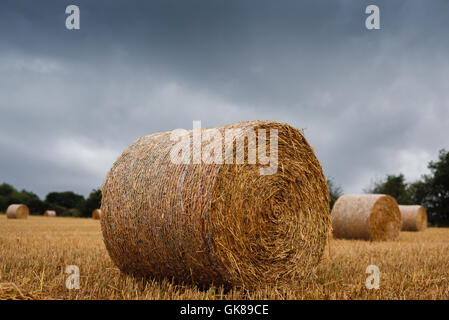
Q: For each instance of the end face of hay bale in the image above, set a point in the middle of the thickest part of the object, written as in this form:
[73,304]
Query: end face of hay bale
[222,224]
[17,211]
[367,216]
[96,214]
[414,218]
[50,213]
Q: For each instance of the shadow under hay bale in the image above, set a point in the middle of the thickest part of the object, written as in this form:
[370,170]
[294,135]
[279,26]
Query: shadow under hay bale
[17,211]
[96,214]
[367,216]
[414,218]
[50,213]
[220,224]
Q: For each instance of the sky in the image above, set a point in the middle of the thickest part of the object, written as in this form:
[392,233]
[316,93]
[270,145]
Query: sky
[371,102]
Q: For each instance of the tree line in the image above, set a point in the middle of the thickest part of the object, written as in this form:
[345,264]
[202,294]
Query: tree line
[64,203]
[431,191]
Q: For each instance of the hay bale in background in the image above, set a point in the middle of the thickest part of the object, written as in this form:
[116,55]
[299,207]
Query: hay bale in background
[96,214]
[50,213]
[414,218]
[368,216]
[17,211]
[222,224]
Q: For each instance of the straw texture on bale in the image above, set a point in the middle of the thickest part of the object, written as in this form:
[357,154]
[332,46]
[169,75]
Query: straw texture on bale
[96,214]
[414,218]
[221,224]
[368,216]
[17,211]
[50,213]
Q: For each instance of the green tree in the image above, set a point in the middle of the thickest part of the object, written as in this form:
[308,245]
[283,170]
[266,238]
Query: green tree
[6,189]
[433,190]
[3,203]
[394,186]
[335,191]
[419,191]
[5,193]
[9,195]
[68,199]
[93,202]
[33,202]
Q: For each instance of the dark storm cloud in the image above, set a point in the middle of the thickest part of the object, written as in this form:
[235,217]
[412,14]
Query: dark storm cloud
[371,102]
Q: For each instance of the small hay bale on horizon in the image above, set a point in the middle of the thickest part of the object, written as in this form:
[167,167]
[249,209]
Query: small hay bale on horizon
[96,214]
[366,216]
[17,211]
[50,213]
[217,224]
[414,218]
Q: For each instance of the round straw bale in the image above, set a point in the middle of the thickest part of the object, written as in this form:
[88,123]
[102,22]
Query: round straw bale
[50,213]
[368,216]
[17,211]
[211,223]
[96,214]
[414,218]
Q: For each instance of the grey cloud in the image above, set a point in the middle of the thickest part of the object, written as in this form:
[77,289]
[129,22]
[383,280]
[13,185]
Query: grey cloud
[367,99]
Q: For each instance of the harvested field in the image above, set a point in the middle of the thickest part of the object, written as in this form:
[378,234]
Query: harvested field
[36,251]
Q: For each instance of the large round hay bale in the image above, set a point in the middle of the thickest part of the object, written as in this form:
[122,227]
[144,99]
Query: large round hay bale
[414,218]
[368,216]
[96,214]
[211,223]
[50,213]
[17,211]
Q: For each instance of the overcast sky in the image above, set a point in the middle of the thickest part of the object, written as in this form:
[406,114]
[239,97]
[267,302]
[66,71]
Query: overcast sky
[372,102]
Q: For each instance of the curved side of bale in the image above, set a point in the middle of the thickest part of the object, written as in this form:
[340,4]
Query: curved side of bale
[211,223]
[50,213]
[371,217]
[17,211]
[414,218]
[96,214]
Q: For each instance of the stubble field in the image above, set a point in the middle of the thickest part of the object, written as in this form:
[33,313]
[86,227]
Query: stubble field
[34,254]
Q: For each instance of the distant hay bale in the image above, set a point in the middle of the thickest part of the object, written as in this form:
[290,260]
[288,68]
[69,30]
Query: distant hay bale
[222,224]
[17,211]
[414,218]
[96,214]
[368,216]
[50,213]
